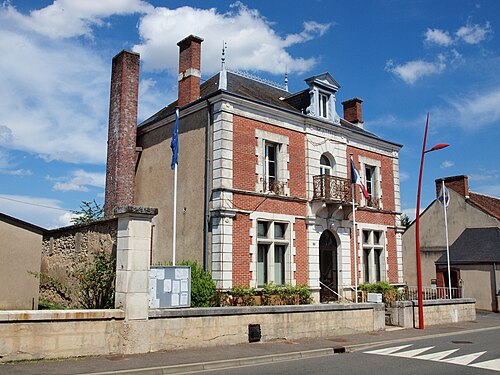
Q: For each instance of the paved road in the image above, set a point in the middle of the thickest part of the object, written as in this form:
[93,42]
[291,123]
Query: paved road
[474,353]
[482,335]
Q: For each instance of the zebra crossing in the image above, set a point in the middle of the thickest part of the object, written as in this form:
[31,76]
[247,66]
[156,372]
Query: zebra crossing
[446,356]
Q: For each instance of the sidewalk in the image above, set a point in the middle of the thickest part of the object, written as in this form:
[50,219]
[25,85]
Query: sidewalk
[184,361]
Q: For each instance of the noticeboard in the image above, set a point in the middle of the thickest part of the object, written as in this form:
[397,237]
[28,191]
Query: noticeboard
[169,287]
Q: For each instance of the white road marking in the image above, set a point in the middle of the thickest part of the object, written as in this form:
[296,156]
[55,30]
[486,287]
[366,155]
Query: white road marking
[437,356]
[494,364]
[411,353]
[465,359]
[388,351]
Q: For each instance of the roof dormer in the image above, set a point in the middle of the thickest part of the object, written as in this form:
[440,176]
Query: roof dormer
[322,90]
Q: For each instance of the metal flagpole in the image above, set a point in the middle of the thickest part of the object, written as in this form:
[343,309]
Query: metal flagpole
[174,220]
[445,208]
[174,144]
[354,240]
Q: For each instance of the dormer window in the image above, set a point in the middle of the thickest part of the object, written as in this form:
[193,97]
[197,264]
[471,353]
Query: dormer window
[323,105]
[322,90]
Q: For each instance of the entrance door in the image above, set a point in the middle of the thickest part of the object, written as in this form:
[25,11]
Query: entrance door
[328,267]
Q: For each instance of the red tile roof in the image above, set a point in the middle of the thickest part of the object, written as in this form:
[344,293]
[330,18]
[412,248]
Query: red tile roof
[490,205]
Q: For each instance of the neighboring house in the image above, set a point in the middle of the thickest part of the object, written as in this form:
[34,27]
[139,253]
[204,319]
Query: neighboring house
[20,255]
[263,178]
[475,259]
[466,210]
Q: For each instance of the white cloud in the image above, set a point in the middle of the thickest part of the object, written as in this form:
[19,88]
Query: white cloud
[474,34]
[252,43]
[80,180]
[54,98]
[474,110]
[403,176]
[447,164]
[412,71]
[16,172]
[491,190]
[72,18]
[486,176]
[44,212]
[439,37]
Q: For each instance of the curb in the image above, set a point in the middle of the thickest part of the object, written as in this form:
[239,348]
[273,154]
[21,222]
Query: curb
[216,365]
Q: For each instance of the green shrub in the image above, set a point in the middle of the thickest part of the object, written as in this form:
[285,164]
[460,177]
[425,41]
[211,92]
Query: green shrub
[389,292]
[203,288]
[96,279]
[243,296]
[47,305]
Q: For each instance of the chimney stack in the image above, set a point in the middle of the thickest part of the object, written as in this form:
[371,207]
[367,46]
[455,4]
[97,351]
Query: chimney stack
[459,184]
[353,112]
[189,69]
[122,131]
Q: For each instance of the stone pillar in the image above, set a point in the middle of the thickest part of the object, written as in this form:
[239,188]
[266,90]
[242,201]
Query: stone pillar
[133,251]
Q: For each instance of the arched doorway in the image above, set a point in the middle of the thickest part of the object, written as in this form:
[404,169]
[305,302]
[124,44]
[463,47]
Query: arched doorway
[328,267]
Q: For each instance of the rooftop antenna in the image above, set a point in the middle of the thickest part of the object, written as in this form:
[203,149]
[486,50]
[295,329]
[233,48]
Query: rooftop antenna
[223,57]
[286,78]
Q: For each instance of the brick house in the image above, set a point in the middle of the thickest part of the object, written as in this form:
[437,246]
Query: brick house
[263,178]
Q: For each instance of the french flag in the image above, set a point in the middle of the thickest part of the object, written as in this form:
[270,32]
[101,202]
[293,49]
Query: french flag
[356,179]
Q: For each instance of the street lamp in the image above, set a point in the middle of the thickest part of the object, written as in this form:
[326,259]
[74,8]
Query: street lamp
[417,224]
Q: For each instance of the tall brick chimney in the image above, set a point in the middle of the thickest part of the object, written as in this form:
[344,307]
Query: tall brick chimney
[122,131]
[459,184]
[353,112]
[189,69]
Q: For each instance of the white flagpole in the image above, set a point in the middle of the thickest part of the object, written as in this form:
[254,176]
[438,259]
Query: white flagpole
[443,192]
[174,220]
[354,240]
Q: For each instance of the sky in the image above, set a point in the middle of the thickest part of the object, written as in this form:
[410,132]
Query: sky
[403,58]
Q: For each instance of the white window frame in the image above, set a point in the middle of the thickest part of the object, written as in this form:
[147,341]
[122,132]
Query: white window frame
[264,139]
[323,104]
[323,168]
[272,244]
[373,252]
[376,180]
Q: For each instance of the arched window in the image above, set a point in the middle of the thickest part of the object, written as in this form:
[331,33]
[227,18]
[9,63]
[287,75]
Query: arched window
[325,166]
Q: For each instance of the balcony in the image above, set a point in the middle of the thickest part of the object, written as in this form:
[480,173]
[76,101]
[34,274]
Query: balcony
[331,188]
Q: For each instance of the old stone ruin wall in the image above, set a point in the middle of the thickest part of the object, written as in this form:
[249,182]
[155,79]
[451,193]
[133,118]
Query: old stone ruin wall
[66,250]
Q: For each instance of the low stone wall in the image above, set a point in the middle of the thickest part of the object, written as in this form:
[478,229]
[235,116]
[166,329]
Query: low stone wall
[70,333]
[441,311]
[64,250]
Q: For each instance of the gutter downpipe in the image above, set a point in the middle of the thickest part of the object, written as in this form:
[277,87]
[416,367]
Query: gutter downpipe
[206,211]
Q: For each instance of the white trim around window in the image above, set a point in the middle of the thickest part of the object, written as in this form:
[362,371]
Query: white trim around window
[272,249]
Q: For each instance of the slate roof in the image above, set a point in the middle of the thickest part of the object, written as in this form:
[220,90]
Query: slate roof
[490,205]
[257,91]
[475,245]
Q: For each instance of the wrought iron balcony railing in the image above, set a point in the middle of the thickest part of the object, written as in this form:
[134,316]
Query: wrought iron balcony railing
[331,188]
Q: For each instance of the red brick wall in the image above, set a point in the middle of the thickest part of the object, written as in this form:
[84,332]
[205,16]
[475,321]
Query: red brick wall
[245,178]
[386,170]
[241,250]
[245,160]
[189,57]
[377,217]
[122,131]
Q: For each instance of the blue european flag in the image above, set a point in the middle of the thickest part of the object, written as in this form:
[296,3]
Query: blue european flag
[174,144]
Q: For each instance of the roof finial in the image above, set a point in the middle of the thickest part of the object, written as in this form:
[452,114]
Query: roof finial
[223,57]
[286,78]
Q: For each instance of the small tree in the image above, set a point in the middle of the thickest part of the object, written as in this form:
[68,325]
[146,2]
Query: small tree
[405,221]
[96,276]
[89,211]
